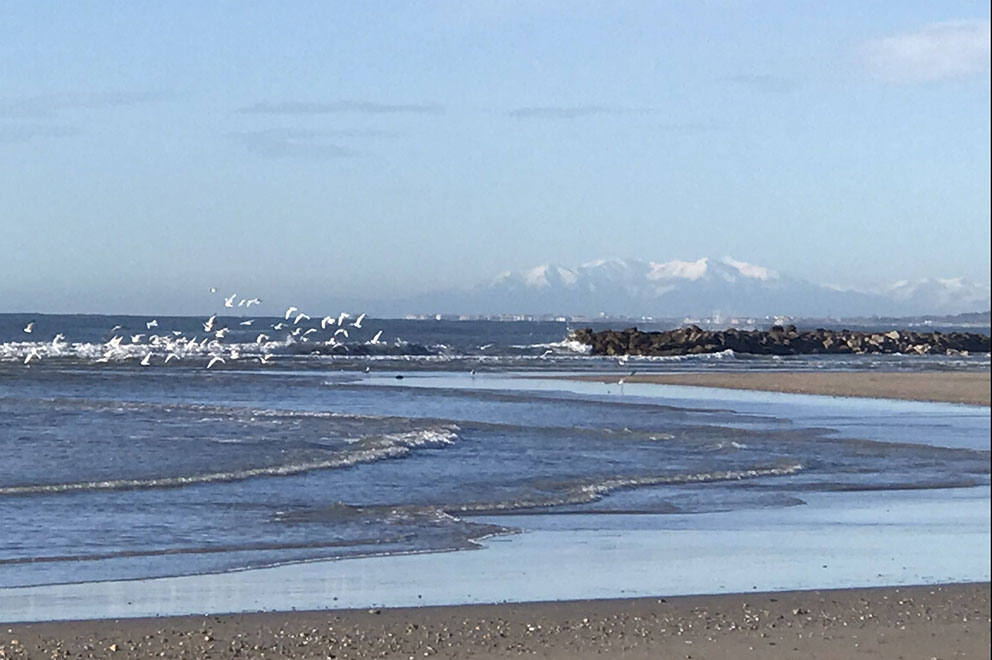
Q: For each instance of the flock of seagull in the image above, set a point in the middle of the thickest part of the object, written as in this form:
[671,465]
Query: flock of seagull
[175,345]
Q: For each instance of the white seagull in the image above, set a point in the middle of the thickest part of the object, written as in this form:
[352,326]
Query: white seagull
[259,339]
[358,321]
[290,311]
[252,301]
[341,331]
[55,342]
[147,360]
[229,301]
[151,324]
[209,325]
[342,316]
[29,328]
[248,322]
[33,355]
[375,340]
[171,356]
[300,317]
[265,358]
[326,321]
[214,361]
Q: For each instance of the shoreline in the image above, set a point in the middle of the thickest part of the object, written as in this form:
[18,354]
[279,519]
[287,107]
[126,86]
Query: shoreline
[949,620]
[965,387]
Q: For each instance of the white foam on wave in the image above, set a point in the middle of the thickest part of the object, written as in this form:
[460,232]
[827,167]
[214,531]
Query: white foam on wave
[365,450]
[591,492]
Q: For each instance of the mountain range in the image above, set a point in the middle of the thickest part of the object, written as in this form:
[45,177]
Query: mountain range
[704,287]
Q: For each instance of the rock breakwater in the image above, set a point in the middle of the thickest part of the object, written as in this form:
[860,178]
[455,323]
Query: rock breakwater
[779,340]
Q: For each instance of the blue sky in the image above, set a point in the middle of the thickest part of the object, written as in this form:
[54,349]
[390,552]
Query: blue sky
[321,151]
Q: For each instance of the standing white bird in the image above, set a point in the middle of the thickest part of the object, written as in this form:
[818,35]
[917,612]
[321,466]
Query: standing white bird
[214,361]
[151,324]
[29,328]
[326,321]
[229,301]
[291,311]
[358,321]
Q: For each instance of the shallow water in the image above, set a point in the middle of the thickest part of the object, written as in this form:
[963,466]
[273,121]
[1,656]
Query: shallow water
[126,472]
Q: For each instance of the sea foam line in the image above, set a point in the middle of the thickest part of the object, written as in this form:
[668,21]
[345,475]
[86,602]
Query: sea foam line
[366,450]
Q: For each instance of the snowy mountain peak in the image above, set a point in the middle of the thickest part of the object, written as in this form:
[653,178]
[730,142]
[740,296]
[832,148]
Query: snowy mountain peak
[705,286]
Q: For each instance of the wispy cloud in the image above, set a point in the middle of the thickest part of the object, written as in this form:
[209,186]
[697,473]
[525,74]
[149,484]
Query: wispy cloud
[341,107]
[15,133]
[940,51]
[300,143]
[51,105]
[763,82]
[575,111]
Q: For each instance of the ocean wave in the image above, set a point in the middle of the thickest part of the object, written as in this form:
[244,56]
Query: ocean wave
[364,450]
[586,492]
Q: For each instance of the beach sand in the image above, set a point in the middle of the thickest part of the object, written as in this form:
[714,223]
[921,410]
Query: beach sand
[948,621]
[947,386]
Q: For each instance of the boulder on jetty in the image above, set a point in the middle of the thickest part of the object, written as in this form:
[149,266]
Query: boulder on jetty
[779,340]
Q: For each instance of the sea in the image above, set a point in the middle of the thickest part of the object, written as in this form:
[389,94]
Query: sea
[138,447]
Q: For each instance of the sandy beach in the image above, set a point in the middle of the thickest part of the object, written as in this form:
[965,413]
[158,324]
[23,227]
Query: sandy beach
[946,386]
[950,621]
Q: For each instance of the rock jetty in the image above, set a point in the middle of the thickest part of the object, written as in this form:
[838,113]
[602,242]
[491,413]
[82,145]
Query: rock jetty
[779,340]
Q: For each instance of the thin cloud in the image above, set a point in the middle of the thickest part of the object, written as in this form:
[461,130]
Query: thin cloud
[13,134]
[940,51]
[574,111]
[296,143]
[765,83]
[341,107]
[51,105]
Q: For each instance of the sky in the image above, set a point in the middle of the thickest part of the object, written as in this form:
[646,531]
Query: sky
[325,151]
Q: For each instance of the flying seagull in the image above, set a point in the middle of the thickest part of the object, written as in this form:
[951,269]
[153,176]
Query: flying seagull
[290,311]
[147,360]
[326,321]
[229,301]
[214,361]
[358,321]
[29,328]
[151,324]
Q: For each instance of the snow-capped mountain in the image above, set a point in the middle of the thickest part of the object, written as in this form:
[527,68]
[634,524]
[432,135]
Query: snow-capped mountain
[706,286]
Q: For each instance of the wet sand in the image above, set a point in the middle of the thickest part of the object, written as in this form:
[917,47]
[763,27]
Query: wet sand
[946,386]
[948,621]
